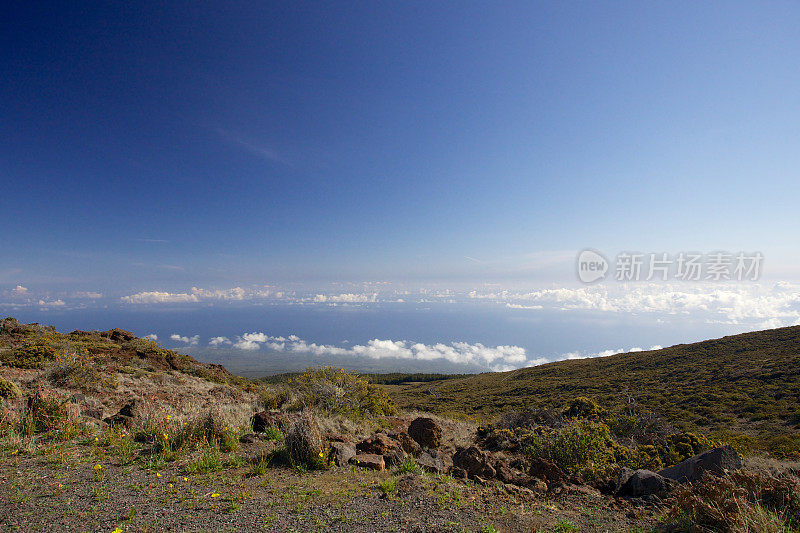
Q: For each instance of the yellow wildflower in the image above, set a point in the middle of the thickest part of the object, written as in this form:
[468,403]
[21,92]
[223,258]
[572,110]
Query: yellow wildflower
[158,474]
[170,485]
[117,530]
[215,495]
[186,479]
[98,467]
[169,417]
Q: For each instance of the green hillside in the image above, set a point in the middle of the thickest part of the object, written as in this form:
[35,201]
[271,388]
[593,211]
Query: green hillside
[742,386]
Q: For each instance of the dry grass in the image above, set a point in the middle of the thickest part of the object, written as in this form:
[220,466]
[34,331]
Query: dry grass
[304,442]
[741,502]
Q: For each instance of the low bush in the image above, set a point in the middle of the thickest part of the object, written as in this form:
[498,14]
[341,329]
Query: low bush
[305,444]
[9,389]
[78,371]
[336,391]
[31,356]
[582,448]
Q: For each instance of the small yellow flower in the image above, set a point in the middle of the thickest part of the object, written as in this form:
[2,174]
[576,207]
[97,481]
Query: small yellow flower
[169,417]
[321,454]
[166,437]
[186,479]
[117,530]
[215,495]
[158,474]
[60,486]
[98,467]
[97,439]
[170,485]
[15,452]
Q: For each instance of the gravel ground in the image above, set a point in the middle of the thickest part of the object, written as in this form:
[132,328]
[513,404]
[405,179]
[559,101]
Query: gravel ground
[62,490]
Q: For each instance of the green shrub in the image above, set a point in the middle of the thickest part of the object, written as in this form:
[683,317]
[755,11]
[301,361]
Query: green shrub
[272,433]
[45,412]
[78,371]
[409,466]
[583,447]
[582,407]
[336,391]
[388,486]
[9,389]
[31,356]
[274,400]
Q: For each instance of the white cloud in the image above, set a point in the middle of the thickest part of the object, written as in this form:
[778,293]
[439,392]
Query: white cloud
[153,337]
[52,303]
[495,358]
[346,298]
[90,295]
[156,297]
[19,290]
[219,341]
[195,295]
[742,303]
[191,341]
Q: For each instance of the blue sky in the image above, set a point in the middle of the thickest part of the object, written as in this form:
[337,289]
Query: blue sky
[388,140]
[150,149]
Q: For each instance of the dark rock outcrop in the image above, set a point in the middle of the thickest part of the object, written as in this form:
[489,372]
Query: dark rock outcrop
[641,482]
[283,421]
[435,461]
[342,452]
[716,461]
[426,432]
[118,335]
[474,462]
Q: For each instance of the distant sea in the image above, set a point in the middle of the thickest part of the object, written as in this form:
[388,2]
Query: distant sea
[547,334]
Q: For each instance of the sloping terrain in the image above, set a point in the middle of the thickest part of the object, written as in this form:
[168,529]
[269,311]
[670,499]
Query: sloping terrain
[102,431]
[744,385]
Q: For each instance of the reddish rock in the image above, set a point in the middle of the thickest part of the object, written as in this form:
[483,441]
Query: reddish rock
[426,432]
[283,421]
[547,471]
[409,445]
[474,462]
[368,460]
[379,444]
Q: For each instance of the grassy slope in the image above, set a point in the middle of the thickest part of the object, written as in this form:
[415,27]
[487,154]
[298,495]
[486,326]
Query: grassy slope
[746,383]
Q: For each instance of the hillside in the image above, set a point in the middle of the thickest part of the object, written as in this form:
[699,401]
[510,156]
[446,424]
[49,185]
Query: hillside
[743,386]
[103,431]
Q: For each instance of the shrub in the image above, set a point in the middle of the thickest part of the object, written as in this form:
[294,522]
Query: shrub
[582,407]
[45,412]
[305,444]
[9,389]
[336,391]
[388,486]
[32,356]
[74,370]
[583,447]
[272,433]
[274,400]
[409,466]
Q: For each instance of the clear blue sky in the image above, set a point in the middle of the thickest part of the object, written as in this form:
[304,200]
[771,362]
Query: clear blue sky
[208,144]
